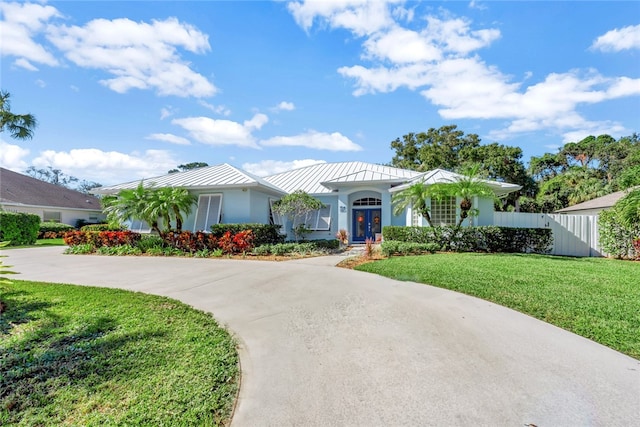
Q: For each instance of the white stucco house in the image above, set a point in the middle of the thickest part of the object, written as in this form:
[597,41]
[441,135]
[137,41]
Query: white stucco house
[356,195]
[22,193]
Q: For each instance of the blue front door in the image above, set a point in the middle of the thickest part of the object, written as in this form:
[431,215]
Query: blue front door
[366,224]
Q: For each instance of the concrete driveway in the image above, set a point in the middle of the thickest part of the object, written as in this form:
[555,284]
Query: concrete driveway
[324,346]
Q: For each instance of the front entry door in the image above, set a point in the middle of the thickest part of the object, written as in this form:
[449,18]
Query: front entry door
[366,223]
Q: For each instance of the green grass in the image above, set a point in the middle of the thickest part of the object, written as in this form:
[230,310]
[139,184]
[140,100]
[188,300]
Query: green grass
[86,356]
[593,297]
[39,243]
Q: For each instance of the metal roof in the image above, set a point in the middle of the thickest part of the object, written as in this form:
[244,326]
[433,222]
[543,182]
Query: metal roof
[441,176]
[311,179]
[223,175]
[603,202]
[18,189]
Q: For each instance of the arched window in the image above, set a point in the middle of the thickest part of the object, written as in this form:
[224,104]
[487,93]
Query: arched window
[368,201]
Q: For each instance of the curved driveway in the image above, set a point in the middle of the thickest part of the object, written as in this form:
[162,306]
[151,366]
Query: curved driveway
[324,346]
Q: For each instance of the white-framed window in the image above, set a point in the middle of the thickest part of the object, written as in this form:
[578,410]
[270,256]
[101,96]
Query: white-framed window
[318,220]
[274,218]
[368,201]
[51,216]
[139,226]
[208,211]
[443,212]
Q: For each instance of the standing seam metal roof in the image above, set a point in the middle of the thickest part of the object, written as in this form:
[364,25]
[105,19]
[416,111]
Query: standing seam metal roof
[210,176]
[310,178]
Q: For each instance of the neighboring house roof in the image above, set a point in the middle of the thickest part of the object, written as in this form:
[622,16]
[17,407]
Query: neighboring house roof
[18,189]
[603,202]
[441,176]
[223,175]
[322,178]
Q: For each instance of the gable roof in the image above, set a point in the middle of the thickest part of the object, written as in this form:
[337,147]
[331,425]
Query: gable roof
[322,178]
[222,175]
[441,176]
[603,202]
[19,189]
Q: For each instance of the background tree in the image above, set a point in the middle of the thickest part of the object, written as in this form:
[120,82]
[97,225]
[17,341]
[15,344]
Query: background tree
[19,126]
[449,148]
[189,166]
[52,176]
[296,206]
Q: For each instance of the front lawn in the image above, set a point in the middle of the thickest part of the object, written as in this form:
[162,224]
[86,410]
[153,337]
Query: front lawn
[593,297]
[40,243]
[74,355]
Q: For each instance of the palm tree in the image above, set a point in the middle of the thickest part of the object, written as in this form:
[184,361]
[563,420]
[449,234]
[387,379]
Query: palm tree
[132,204]
[20,126]
[171,202]
[416,197]
[466,187]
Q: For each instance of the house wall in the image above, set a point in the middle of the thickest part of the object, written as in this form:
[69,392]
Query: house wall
[67,216]
[485,206]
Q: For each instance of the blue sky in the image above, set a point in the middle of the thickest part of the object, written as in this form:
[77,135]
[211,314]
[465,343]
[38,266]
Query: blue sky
[127,90]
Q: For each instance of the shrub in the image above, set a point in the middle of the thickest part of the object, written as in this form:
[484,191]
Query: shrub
[99,227]
[53,230]
[616,239]
[262,233]
[262,249]
[19,228]
[82,248]
[101,238]
[125,249]
[394,247]
[149,241]
[191,242]
[469,239]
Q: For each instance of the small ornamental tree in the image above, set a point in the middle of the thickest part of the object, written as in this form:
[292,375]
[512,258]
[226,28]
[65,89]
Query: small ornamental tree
[296,206]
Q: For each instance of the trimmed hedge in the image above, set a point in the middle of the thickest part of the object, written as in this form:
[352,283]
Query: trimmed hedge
[19,228]
[474,239]
[99,227]
[615,239]
[394,247]
[308,247]
[53,230]
[263,234]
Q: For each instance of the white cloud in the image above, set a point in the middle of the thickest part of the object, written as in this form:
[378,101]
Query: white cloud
[218,109]
[441,61]
[170,138]
[108,167]
[271,167]
[12,156]
[23,63]
[222,132]
[138,54]
[359,16]
[166,112]
[21,23]
[312,139]
[41,83]
[285,106]
[618,39]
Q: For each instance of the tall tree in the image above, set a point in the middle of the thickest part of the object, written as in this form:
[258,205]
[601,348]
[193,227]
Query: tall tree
[189,166]
[52,176]
[19,126]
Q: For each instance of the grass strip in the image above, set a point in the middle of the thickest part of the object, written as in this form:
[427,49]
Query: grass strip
[596,298]
[78,355]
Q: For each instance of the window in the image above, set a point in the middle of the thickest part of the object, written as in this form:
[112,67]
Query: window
[319,220]
[208,212]
[368,201]
[139,226]
[51,216]
[443,212]
[416,218]
[274,218]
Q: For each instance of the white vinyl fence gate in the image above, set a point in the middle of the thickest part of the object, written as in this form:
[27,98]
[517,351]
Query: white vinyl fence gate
[573,235]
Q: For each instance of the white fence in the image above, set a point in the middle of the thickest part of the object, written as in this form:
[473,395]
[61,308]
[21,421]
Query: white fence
[573,235]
